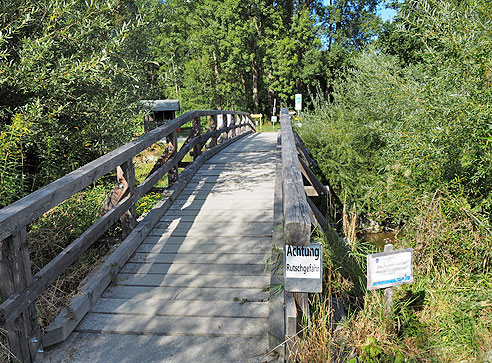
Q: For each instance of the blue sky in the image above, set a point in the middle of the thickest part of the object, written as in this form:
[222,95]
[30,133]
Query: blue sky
[386,14]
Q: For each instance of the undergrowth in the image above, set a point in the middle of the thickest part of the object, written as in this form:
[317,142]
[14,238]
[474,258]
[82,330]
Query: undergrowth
[444,316]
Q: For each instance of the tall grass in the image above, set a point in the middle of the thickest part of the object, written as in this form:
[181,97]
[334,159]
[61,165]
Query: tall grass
[444,316]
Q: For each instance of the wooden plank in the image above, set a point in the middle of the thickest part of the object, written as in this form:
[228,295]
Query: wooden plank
[199,249]
[276,316]
[27,209]
[212,213]
[67,320]
[213,128]
[190,259]
[317,217]
[203,204]
[217,228]
[165,325]
[129,218]
[196,248]
[180,293]
[304,153]
[211,204]
[290,315]
[215,281]
[172,175]
[326,225]
[234,194]
[297,225]
[198,269]
[154,307]
[229,232]
[312,178]
[197,130]
[233,242]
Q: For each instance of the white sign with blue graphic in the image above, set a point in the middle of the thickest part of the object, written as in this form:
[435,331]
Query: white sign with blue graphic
[388,269]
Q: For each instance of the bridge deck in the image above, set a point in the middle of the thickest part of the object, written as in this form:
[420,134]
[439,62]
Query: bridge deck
[193,291]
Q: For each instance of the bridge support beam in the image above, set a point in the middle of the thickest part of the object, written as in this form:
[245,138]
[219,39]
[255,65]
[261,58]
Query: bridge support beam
[15,276]
[129,219]
[197,130]
[213,127]
[172,175]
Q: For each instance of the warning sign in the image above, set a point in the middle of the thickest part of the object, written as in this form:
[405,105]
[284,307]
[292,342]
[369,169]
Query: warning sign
[303,268]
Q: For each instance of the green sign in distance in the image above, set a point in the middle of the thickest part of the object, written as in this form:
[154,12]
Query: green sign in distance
[298,102]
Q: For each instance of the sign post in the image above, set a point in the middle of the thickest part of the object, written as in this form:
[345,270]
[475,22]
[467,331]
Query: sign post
[387,269]
[303,268]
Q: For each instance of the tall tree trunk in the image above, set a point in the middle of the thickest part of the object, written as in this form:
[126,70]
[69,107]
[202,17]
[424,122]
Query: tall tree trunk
[254,71]
[216,67]
[330,31]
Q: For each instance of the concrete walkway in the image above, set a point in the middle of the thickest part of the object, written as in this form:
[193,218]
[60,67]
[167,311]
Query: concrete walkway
[194,290]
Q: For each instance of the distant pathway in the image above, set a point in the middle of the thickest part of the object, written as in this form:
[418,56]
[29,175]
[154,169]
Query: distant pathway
[193,291]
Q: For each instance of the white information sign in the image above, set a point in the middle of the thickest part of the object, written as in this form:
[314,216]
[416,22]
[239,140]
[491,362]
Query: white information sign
[388,269]
[303,262]
[274,119]
[298,102]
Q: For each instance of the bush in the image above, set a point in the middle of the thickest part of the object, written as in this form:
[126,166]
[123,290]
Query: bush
[71,74]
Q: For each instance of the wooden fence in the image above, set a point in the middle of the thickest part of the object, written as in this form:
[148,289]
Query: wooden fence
[20,289]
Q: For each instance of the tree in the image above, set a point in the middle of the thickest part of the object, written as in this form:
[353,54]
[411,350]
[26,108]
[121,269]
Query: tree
[71,75]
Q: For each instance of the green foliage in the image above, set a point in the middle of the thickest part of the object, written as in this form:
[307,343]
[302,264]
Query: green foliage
[244,54]
[71,74]
[394,132]
[147,202]
[407,138]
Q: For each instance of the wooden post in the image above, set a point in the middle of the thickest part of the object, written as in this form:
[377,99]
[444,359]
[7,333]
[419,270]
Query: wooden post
[126,172]
[197,130]
[172,175]
[15,276]
[224,125]
[213,127]
[233,123]
[388,292]
[230,122]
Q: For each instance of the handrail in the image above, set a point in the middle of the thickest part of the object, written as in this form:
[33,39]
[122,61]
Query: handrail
[300,214]
[20,289]
[297,225]
[24,211]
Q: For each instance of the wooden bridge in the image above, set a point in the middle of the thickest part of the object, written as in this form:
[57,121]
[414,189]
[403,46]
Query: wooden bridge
[199,278]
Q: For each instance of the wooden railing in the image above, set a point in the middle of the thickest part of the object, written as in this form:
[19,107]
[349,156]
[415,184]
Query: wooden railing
[298,215]
[20,289]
